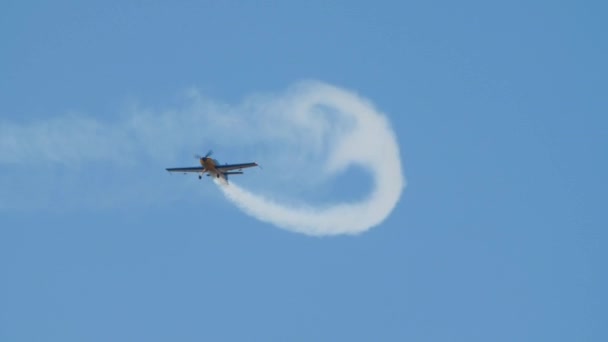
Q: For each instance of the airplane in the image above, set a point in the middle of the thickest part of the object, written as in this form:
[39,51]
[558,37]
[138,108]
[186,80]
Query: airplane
[213,168]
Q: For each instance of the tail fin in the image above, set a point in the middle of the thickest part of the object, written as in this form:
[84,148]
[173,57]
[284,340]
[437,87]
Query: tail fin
[225,174]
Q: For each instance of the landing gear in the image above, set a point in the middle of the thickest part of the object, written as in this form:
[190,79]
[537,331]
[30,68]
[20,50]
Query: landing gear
[199,177]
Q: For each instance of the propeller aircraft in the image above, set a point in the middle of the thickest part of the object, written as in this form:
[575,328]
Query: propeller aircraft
[213,168]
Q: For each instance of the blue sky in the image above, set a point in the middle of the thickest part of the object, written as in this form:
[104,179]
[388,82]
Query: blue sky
[499,111]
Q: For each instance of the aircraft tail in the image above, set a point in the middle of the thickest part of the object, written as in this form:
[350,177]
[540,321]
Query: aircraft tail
[225,174]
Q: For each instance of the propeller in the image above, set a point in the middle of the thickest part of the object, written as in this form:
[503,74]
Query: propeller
[206,155]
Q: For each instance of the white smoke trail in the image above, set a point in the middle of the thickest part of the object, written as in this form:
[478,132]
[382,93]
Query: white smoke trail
[303,137]
[362,136]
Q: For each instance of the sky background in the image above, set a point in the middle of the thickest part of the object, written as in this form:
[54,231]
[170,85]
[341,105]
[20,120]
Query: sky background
[500,111]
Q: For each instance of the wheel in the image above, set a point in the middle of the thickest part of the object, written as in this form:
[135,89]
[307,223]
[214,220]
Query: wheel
[199,177]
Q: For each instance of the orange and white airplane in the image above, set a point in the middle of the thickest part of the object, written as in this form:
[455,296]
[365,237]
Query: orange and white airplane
[213,168]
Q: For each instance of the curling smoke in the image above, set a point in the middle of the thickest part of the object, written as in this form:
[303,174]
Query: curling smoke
[355,134]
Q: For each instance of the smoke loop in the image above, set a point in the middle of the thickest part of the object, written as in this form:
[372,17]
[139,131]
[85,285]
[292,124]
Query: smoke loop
[357,134]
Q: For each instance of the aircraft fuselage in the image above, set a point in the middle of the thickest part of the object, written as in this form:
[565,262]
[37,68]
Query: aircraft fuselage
[209,165]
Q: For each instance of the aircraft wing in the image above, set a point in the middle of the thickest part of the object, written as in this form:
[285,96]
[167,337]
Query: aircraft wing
[229,167]
[186,169]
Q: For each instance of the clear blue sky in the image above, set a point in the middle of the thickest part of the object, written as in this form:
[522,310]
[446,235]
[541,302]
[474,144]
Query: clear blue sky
[501,113]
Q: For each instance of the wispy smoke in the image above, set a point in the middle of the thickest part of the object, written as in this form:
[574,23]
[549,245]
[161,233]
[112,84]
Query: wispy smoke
[305,136]
[356,134]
